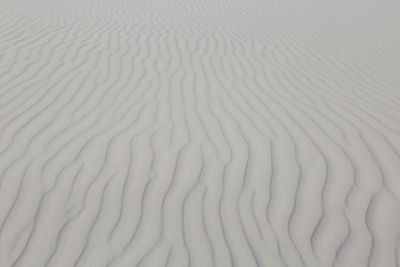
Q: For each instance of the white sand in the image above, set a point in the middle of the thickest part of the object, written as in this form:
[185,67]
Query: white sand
[199,133]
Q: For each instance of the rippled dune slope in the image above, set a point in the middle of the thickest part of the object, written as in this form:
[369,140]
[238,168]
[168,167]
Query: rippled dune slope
[199,133]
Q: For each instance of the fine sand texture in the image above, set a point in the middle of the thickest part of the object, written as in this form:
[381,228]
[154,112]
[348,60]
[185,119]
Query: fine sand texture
[199,133]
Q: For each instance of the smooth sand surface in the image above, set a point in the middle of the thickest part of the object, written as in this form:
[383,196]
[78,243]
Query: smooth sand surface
[199,133]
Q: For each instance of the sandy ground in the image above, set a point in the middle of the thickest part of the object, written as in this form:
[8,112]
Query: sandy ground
[199,133]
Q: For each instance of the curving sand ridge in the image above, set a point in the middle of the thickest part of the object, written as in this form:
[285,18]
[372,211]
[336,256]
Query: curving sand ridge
[199,133]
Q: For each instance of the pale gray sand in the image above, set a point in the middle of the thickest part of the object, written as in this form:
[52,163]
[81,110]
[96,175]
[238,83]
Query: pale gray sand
[199,133]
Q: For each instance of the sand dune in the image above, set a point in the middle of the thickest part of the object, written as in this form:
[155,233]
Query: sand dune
[199,133]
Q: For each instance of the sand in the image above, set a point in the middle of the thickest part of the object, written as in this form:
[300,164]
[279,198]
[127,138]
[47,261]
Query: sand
[199,133]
